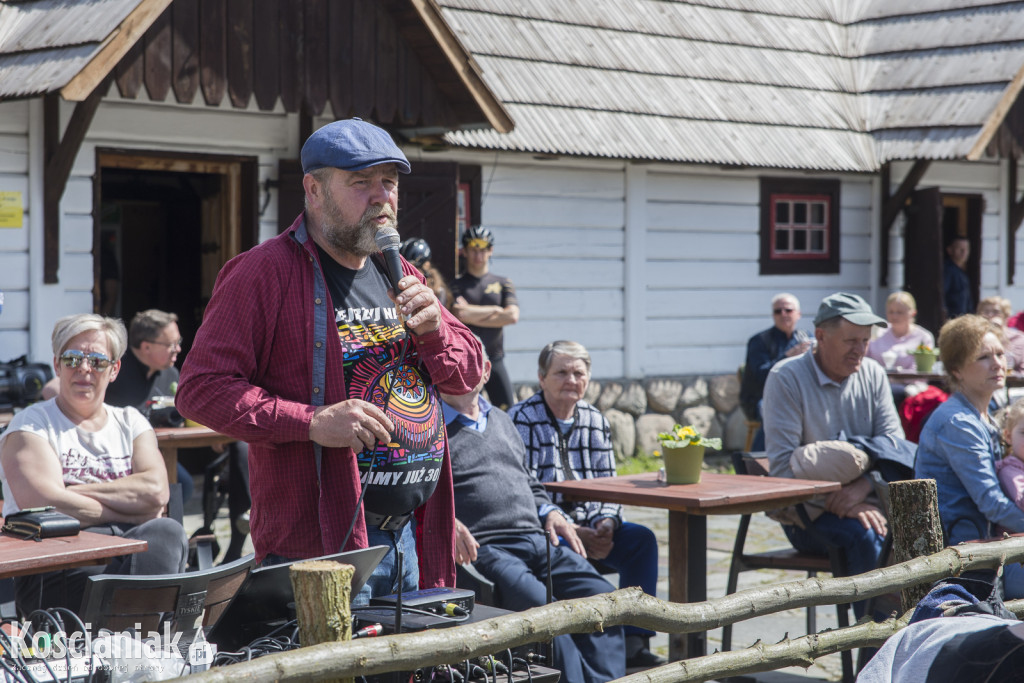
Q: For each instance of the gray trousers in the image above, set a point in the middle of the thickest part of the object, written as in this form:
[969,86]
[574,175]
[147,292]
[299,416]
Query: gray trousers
[167,554]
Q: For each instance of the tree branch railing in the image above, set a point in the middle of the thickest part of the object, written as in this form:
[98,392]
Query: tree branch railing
[631,606]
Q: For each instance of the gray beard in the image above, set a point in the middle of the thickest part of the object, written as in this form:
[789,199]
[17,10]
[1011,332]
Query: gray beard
[357,239]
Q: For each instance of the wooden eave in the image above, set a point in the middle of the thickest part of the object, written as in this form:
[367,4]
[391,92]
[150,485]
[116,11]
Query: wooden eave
[116,46]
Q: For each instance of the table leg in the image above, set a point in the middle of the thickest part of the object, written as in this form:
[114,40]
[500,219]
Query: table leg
[170,454]
[687,576]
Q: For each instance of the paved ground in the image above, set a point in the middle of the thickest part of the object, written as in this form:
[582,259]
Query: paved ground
[764,534]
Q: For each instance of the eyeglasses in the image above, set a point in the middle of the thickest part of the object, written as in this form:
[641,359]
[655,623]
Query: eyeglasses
[176,344]
[478,243]
[96,361]
[780,311]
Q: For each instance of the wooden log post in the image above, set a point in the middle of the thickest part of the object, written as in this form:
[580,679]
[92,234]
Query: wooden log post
[916,528]
[323,598]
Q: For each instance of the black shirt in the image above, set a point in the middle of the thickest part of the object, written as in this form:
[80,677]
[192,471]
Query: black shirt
[372,337]
[489,290]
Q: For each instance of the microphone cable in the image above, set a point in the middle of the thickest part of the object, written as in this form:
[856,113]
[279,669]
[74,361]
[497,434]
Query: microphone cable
[376,441]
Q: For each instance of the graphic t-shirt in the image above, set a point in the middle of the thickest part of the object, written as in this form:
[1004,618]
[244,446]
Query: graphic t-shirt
[404,472]
[489,290]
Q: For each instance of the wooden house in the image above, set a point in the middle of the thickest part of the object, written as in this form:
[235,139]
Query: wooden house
[654,171]
[639,203]
[143,142]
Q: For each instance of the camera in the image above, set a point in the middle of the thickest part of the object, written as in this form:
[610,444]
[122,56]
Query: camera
[21,382]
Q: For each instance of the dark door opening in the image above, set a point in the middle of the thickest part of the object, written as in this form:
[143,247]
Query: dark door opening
[932,219]
[164,228]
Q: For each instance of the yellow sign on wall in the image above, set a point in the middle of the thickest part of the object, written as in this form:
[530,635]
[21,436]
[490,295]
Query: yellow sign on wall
[12,214]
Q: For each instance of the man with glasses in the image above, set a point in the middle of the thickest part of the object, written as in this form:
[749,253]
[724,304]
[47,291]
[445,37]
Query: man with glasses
[486,303]
[764,350]
[147,370]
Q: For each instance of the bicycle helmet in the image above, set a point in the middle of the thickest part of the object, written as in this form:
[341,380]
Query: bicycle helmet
[479,237]
[415,250]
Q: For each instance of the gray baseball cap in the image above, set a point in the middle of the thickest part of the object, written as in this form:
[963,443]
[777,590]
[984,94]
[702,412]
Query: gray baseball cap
[848,306]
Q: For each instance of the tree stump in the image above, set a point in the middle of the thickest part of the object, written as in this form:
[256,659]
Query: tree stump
[916,527]
[323,596]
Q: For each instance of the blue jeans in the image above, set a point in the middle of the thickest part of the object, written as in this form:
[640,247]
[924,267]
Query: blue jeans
[384,579]
[863,546]
[634,556]
[517,564]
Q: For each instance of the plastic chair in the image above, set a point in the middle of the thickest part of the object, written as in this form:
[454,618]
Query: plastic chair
[789,558]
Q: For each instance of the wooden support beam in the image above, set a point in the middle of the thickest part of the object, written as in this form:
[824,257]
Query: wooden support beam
[59,154]
[892,205]
[1015,214]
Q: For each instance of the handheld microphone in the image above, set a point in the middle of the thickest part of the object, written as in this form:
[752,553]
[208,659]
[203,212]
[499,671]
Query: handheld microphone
[388,242]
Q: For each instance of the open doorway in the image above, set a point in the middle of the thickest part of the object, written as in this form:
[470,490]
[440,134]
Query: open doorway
[933,218]
[165,224]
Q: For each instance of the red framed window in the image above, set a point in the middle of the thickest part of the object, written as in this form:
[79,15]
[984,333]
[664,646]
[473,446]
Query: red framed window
[799,226]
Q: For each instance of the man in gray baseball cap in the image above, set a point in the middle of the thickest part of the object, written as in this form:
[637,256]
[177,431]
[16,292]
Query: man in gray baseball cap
[823,398]
[303,354]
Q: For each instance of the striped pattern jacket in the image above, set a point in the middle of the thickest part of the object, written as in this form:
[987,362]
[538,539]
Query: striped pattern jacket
[587,447]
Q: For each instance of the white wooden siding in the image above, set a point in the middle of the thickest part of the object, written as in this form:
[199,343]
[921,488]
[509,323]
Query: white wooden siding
[133,125]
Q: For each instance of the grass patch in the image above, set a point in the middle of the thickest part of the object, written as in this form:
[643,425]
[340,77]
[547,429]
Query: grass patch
[639,464]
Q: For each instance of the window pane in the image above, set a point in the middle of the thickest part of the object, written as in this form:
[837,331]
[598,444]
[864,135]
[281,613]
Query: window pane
[799,213]
[781,240]
[817,213]
[800,240]
[782,212]
[818,240]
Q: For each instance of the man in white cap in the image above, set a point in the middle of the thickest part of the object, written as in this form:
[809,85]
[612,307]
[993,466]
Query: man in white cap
[813,404]
[303,355]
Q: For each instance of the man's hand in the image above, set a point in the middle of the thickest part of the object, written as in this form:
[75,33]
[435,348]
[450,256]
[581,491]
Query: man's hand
[419,305]
[598,540]
[842,501]
[465,544]
[557,525]
[353,424]
[870,516]
[798,349]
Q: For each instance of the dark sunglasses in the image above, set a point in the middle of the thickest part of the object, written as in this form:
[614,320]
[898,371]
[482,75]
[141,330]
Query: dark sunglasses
[780,311]
[96,361]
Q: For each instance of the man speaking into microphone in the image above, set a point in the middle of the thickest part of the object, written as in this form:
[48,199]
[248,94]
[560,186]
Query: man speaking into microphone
[303,354]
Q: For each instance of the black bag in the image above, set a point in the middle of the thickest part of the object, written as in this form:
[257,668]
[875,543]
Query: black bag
[39,523]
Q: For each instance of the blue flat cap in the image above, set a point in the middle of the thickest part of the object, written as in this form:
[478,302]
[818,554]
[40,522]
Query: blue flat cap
[351,145]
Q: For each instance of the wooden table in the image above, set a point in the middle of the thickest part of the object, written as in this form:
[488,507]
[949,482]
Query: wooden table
[19,557]
[170,439]
[688,505]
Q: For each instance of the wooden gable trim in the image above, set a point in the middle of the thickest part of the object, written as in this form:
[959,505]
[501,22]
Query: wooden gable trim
[997,116]
[58,156]
[464,65]
[116,46]
[891,207]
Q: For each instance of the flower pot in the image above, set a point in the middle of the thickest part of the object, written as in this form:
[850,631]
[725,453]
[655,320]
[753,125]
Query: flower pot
[924,361]
[682,464]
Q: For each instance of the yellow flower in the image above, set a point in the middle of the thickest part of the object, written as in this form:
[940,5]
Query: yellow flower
[687,433]
[656,454]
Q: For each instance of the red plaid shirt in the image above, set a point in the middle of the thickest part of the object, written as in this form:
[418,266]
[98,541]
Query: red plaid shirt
[252,374]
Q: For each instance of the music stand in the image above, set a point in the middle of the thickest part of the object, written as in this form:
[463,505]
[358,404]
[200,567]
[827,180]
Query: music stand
[266,599]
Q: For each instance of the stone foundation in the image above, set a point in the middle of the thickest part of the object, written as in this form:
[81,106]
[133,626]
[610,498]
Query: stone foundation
[638,409]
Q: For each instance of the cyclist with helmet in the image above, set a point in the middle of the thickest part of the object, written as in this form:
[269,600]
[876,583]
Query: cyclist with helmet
[486,303]
[416,251]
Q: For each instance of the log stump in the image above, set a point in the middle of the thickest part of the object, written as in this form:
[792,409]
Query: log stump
[916,528]
[323,596]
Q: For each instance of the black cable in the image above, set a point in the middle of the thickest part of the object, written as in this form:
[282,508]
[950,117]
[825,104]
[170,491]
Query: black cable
[376,442]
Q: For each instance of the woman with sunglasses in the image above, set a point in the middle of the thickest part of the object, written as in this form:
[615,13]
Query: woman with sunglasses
[95,462]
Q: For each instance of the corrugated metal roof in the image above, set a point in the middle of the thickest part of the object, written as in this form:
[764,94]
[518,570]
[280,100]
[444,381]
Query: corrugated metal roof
[823,84]
[44,44]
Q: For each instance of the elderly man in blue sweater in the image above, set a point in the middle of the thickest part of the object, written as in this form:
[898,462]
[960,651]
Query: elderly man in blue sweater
[502,517]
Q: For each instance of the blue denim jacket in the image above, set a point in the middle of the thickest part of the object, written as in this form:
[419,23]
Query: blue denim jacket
[959,451]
